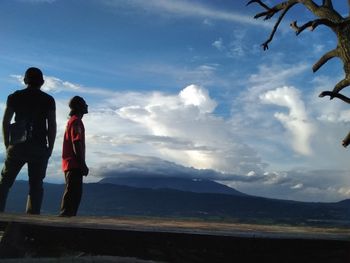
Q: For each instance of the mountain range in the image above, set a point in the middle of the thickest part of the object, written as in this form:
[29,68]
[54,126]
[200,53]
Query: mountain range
[175,183]
[184,198]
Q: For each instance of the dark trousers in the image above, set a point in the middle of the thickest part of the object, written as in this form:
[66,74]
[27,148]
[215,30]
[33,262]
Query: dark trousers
[72,193]
[36,160]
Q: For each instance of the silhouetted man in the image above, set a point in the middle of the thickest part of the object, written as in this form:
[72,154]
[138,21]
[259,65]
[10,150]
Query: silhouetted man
[73,157]
[29,140]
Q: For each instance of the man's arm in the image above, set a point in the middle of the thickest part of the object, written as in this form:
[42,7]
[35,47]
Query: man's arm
[51,129]
[8,114]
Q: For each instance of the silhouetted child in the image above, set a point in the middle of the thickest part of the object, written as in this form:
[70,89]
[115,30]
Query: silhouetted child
[73,157]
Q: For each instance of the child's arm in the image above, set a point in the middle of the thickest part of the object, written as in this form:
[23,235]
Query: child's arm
[78,150]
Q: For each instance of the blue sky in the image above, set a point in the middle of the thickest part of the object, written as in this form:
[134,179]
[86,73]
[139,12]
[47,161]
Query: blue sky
[183,88]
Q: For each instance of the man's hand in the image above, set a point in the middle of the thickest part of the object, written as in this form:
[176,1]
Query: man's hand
[49,151]
[52,129]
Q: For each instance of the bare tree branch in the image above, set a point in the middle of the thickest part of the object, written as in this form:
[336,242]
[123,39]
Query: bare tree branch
[265,45]
[322,11]
[332,95]
[260,3]
[322,21]
[328,3]
[312,25]
[300,29]
[273,10]
[311,5]
[325,15]
[341,84]
[329,55]
[268,14]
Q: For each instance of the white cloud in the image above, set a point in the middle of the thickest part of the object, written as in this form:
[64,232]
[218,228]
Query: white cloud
[318,48]
[207,22]
[56,85]
[237,46]
[296,121]
[302,127]
[204,74]
[344,191]
[144,166]
[274,75]
[37,1]
[300,185]
[188,9]
[297,186]
[335,116]
[199,97]
[187,117]
[276,178]
[253,120]
[219,44]
[53,84]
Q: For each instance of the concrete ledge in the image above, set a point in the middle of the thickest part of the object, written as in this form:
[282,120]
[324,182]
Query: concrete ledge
[83,259]
[169,240]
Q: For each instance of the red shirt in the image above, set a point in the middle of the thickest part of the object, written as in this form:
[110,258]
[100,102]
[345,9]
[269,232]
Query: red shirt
[75,131]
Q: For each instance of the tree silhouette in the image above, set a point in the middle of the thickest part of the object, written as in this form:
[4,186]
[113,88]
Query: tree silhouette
[325,15]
